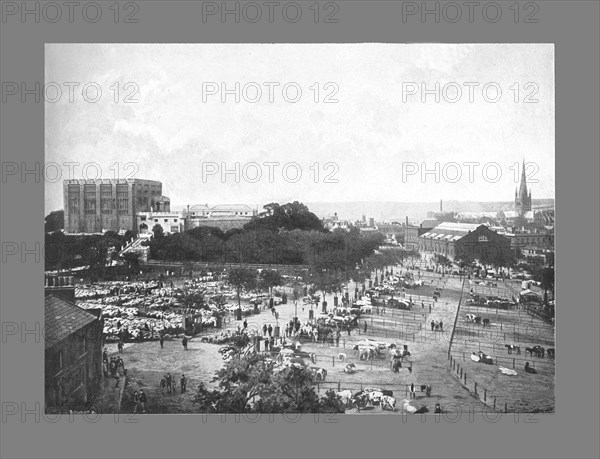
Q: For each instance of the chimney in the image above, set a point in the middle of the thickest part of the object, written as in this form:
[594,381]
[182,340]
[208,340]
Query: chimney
[440,205]
[407,220]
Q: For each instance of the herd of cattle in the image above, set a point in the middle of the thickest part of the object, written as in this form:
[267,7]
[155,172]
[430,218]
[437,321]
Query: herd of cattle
[372,397]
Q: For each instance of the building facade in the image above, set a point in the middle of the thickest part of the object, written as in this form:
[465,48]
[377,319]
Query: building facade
[413,232]
[171,222]
[73,354]
[467,242]
[96,206]
[224,216]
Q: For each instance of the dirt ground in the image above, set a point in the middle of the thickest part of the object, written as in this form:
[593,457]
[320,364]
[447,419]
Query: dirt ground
[147,362]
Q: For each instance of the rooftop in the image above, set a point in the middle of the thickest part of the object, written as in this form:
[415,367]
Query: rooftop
[63,318]
[448,231]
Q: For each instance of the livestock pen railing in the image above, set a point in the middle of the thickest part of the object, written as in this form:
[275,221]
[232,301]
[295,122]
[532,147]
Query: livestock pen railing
[508,361]
[340,385]
[507,337]
[379,363]
[497,403]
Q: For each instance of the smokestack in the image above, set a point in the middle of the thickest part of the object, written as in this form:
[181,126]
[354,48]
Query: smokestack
[407,220]
[441,205]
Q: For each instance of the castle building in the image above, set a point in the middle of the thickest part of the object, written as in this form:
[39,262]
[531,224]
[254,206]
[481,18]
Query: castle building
[522,197]
[95,206]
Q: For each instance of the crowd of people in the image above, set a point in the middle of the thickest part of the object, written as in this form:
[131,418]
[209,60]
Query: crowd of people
[168,384]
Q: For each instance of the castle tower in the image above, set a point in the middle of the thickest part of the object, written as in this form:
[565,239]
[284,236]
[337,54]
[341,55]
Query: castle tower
[522,197]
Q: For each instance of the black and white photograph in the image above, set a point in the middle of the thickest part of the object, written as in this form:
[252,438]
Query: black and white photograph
[348,228]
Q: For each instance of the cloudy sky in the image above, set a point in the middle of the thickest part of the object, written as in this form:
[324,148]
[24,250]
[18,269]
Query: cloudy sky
[177,132]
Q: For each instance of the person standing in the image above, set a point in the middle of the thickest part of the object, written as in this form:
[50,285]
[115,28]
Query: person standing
[142,398]
[136,401]
[432,324]
[365,327]
[245,324]
[169,380]
[441,325]
[161,338]
[184,341]
[270,330]
[412,391]
[183,383]
[120,346]
[265,329]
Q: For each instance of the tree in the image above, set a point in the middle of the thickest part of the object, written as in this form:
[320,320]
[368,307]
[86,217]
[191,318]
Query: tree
[545,276]
[195,299]
[270,278]
[54,221]
[249,383]
[290,216]
[133,261]
[241,279]
[158,232]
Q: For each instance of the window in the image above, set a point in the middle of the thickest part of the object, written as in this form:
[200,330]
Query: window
[156,220]
[483,238]
[175,220]
[166,220]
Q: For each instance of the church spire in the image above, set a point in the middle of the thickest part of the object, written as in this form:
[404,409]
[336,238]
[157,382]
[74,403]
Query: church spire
[523,198]
[523,185]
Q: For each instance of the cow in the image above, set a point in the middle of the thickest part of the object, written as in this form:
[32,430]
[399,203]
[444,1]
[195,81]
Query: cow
[366,353]
[551,352]
[360,398]
[477,320]
[388,403]
[345,397]
[470,318]
[374,397]
[319,373]
[486,322]
[341,357]
[350,369]
[513,347]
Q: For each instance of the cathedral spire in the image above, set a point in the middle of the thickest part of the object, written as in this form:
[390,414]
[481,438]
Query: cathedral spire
[523,198]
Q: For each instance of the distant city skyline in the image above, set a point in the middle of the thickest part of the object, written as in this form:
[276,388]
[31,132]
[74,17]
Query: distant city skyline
[370,141]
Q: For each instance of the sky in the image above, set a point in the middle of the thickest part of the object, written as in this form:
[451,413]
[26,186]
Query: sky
[371,140]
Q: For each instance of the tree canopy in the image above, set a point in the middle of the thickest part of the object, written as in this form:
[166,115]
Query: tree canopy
[289,217]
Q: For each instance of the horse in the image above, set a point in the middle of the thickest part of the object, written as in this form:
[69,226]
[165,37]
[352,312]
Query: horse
[537,350]
[513,347]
